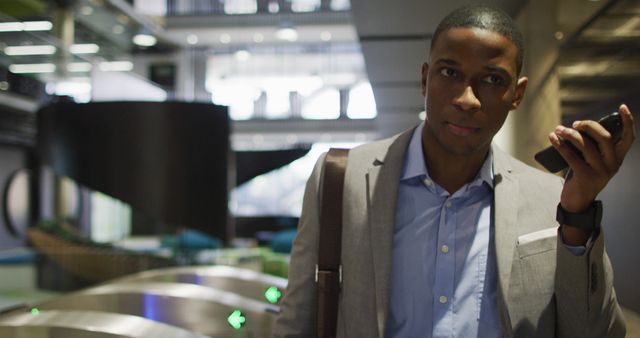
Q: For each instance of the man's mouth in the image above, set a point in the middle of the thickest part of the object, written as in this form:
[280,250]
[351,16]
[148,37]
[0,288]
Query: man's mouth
[461,130]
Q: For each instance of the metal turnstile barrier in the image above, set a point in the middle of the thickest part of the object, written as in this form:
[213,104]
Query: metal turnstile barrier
[85,324]
[247,283]
[196,308]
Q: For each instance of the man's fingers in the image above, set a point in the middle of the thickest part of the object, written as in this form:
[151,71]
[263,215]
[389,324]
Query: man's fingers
[628,132]
[604,151]
[573,159]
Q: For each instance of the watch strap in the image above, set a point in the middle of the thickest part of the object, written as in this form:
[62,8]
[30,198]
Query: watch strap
[589,219]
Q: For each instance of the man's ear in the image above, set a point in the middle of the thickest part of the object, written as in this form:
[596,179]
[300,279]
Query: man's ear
[521,85]
[425,72]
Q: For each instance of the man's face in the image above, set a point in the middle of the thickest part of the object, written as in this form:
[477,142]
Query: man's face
[469,87]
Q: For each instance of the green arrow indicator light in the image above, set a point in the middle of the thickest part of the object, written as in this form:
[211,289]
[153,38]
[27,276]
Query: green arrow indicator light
[236,319]
[272,295]
[35,311]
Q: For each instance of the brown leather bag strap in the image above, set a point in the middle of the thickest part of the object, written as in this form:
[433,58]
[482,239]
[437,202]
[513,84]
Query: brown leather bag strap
[329,269]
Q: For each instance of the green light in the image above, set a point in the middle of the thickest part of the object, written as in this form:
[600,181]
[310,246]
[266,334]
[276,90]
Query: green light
[35,311]
[272,295]
[236,319]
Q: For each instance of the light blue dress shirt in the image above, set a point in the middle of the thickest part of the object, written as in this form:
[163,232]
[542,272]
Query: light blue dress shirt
[444,277]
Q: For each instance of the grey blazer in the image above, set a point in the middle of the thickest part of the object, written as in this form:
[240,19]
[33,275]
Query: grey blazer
[544,290]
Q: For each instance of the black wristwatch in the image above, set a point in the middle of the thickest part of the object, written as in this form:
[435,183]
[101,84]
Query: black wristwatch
[588,220]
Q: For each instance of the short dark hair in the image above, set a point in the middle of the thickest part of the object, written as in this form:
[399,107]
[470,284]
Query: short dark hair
[484,17]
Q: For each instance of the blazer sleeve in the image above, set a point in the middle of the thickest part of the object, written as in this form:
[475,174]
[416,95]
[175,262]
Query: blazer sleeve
[297,311]
[586,300]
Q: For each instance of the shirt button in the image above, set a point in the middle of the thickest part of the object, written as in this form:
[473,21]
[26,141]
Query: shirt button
[443,299]
[428,182]
[448,204]
[444,248]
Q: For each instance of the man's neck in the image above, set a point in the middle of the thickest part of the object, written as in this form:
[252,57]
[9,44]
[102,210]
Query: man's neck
[451,171]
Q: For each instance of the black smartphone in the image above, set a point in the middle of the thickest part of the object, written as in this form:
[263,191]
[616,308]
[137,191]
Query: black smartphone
[551,159]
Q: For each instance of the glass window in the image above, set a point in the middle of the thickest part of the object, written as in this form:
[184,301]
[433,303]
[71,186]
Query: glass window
[305,5]
[240,6]
[322,105]
[362,104]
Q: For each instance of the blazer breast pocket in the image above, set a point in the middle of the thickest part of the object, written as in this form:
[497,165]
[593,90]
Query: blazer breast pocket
[533,277]
[537,242]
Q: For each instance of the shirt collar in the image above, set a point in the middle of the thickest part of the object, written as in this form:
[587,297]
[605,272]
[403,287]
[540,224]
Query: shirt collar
[415,165]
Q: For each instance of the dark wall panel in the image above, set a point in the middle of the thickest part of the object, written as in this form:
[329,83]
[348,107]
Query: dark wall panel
[166,159]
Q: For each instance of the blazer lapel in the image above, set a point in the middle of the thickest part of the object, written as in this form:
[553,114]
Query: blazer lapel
[383,179]
[507,192]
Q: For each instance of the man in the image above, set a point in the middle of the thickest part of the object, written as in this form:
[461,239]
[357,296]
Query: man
[447,236]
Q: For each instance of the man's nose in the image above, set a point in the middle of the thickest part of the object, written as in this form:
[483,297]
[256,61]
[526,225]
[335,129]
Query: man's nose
[467,100]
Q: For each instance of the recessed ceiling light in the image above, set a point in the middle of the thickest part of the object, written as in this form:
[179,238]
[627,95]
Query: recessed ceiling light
[287,34]
[30,50]
[86,10]
[258,38]
[273,7]
[225,38]
[84,48]
[144,40]
[192,39]
[118,29]
[242,55]
[116,66]
[325,36]
[32,68]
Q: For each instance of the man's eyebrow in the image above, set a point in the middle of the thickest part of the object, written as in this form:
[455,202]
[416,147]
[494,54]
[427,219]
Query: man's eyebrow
[450,62]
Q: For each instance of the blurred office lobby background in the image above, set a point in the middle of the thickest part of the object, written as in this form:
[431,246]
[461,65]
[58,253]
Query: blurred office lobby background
[154,153]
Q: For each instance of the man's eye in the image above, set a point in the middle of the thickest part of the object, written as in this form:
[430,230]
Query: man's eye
[448,72]
[493,79]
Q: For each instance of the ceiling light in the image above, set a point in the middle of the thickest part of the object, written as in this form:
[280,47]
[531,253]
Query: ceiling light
[84,48]
[116,66]
[29,26]
[11,26]
[86,10]
[273,7]
[257,38]
[144,40]
[118,29]
[192,39]
[325,36]
[32,26]
[287,34]
[225,38]
[30,50]
[32,68]
[78,67]
[242,55]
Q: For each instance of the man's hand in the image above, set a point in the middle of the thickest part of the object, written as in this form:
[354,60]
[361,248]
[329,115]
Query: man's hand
[588,176]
